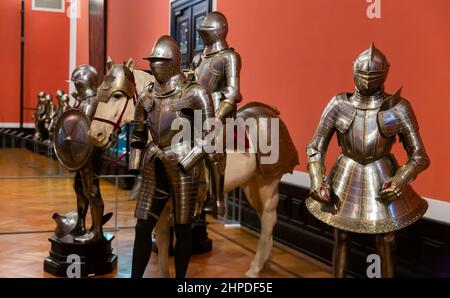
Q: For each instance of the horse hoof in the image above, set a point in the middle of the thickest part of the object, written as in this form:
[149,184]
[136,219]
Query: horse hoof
[164,275]
[252,273]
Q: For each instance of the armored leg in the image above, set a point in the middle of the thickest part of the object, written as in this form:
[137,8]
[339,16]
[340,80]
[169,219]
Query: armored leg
[142,248]
[97,210]
[82,206]
[216,166]
[92,192]
[385,244]
[340,253]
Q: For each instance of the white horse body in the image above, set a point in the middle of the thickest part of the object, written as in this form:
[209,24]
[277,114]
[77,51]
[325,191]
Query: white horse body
[241,171]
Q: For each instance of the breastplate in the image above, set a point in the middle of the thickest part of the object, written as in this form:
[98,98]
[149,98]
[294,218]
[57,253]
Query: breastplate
[210,72]
[160,119]
[363,142]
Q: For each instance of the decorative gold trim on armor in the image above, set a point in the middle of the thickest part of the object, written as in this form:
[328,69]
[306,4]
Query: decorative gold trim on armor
[366,227]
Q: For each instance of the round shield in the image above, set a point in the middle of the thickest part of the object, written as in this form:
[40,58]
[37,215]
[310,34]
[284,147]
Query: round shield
[73,147]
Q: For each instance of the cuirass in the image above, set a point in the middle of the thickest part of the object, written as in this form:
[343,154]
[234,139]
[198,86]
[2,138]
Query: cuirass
[161,116]
[210,73]
[362,142]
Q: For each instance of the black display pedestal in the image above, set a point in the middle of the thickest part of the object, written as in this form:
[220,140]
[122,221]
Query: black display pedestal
[95,258]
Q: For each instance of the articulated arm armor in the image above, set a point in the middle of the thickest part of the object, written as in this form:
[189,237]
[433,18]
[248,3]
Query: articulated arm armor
[139,135]
[225,89]
[400,120]
[317,149]
[230,95]
[201,101]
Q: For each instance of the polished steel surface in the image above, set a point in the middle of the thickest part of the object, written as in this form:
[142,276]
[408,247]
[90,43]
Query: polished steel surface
[171,97]
[119,78]
[370,71]
[218,69]
[218,66]
[372,191]
[65,223]
[85,79]
[72,144]
[165,60]
[288,155]
[214,31]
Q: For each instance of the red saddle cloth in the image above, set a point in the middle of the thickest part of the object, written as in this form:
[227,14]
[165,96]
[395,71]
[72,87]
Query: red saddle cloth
[232,142]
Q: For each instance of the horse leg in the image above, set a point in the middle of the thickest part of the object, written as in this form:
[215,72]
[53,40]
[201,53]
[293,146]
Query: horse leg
[265,202]
[162,230]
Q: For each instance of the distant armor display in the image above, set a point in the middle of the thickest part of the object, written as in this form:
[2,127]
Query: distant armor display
[367,191]
[49,111]
[39,117]
[63,105]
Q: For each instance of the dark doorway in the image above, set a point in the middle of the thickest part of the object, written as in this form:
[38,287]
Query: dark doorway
[97,36]
[186,16]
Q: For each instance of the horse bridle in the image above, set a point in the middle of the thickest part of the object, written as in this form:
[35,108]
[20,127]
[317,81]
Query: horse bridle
[116,125]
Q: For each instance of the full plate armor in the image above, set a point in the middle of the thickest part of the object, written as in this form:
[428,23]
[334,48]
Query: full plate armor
[218,69]
[86,183]
[367,191]
[49,112]
[169,169]
[39,117]
[63,105]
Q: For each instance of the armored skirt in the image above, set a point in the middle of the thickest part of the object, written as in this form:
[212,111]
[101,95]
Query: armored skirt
[366,135]
[183,188]
[359,207]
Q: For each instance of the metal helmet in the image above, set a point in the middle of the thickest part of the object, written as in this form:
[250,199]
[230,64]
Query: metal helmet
[119,78]
[59,93]
[49,98]
[214,28]
[165,59]
[64,101]
[41,97]
[86,80]
[370,71]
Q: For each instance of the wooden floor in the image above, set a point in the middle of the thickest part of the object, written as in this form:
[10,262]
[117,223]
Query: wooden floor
[29,197]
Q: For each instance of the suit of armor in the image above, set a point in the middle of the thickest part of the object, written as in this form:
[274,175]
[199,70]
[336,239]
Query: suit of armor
[49,111]
[367,191]
[39,116]
[169,170]
[63,105]
[86,183]
[218,69]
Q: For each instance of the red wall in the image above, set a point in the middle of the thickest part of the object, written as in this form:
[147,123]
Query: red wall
[134,26]
[46,56]
[46,53]
[299,54]
[10,60]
